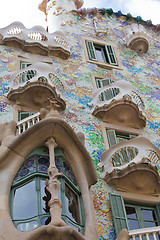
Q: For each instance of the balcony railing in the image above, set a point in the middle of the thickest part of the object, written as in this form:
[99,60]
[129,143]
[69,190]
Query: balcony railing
[28,122]
[35,40]
[116,91]
[38,71]
[34,85]
[128,153]
[149,233]
[119,103]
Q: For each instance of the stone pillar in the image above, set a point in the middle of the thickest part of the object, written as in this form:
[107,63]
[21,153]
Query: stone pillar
[53,186]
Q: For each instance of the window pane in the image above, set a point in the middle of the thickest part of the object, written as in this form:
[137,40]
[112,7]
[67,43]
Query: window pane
[131,212]
[72,205]
[133,224]
[148,214]
[99,54]
[24,205]
[24,227]
[150,224]
[45,220]
[43,194]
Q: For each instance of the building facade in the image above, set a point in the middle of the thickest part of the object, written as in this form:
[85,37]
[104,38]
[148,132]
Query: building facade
[80,126]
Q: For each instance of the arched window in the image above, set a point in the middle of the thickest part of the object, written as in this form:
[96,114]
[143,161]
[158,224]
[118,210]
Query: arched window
[29,196]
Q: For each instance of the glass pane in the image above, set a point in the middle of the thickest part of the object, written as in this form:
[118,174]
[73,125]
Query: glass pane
[45,220]
[24,227]
[131,212]
[148,214]
[44,207]
[24,205]
[133,224]
[99,54]
[72,207]
[43,164]
[150,224]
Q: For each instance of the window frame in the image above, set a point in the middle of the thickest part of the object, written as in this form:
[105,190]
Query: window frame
[37,177]
[94,60]
[119,214]
[139,215]
[125,130]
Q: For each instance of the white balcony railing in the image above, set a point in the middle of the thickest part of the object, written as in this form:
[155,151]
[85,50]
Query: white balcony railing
[131,152]
[149,233]
[116,91]
[28,122]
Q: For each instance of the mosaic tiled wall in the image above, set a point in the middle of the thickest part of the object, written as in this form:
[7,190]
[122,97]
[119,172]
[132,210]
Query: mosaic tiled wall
[141,70]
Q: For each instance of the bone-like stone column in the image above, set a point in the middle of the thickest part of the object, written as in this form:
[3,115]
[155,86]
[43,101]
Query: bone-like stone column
[52,185]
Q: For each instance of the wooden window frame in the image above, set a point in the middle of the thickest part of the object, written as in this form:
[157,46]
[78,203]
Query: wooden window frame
[119,212]
[103,44]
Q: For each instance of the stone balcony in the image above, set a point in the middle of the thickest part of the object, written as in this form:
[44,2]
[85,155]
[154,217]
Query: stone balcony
[119,103]
[35,40]
[136,37]
[33,86]
[132,166]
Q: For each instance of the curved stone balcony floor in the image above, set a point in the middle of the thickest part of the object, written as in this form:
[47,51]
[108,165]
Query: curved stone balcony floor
[33,86]
[133,165]
[35,40]
[121,104]
[136,37]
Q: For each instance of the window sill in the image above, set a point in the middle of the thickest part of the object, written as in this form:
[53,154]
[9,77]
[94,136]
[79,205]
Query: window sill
[105,65]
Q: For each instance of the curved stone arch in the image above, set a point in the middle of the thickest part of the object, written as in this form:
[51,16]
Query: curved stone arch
[14,154]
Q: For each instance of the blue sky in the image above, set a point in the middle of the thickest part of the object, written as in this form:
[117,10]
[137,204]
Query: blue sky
[26,11]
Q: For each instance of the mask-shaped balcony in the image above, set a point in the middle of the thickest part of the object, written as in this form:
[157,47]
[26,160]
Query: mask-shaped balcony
[33,86]
[119,103]
[35,40]
[136,38]
[132,166]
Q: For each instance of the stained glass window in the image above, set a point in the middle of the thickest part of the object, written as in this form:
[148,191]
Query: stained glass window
[30,197]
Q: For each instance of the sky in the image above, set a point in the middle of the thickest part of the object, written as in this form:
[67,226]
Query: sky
[26,11]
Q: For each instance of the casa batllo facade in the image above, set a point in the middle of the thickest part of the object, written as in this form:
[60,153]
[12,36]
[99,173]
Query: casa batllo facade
[79,131]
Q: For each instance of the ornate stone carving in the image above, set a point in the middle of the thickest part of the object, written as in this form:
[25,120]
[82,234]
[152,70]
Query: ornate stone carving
[35,40]
[7,132]
[53,184]
[139,172]
[119,103]
[33,86]
[136,37]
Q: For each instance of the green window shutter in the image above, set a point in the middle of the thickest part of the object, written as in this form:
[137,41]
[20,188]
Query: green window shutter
[118,212]
[91,50]
[112,140]
[103,82]
[110,54]
[158,212]
[24,65]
